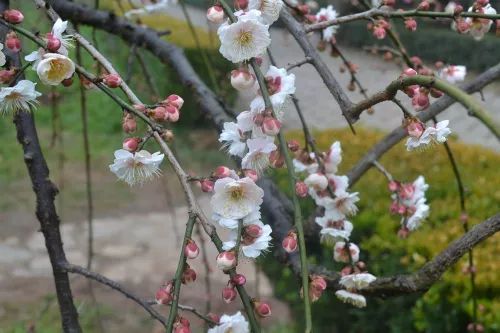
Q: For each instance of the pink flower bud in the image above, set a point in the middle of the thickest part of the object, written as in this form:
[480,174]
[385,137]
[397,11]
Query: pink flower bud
[12,42]
[458,9]
[241,4]
[316,287]
[226,260]
[252,174]
[420,101]
[13,16]
[129,124]
[415,128]
[207,185]
[182,329]
[394,207]
[112,80]
[215,318]
[262,309]
[401,209]
[258,60]
[53,43]
[276,159]
[289,243]
[293,145]
[253,230]
[239,280]
[6,75]
[409,72]
[228,294]
[424,5]
[159,113]
[379,32]
[175,101]
[191,251]
[215,14]
[393,186]
[411,24]
[172,113]
[131,144]
[164,294]
[301,189]
[271,126]
[188,276]
[242,79]
[258,119]
[222,172]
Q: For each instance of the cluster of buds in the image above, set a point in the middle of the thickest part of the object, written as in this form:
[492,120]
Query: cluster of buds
[242,79]
[182,325]
[167,110]
[13,16]
[290,243]
[164,295]
[420,96]
[414,127]
[379,28]
[12,42]
[403,191]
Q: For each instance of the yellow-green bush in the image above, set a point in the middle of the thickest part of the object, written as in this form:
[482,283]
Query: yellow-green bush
[375,229]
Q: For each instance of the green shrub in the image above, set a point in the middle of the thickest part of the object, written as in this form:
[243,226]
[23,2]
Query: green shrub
[446,307]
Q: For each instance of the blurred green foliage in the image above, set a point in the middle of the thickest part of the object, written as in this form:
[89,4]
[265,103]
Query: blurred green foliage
[447,306]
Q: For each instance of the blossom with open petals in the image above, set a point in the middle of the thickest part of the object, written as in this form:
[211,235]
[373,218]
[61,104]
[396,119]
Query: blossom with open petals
[257,157]
[334,230]
[326,14]
[357,281]
[58,30]
[251,247]
[333,157]
[53,68]
[236,198]
[136,168]
[230,223]
[234,324]
[357,300]
[244,39]
[453,74]
[478,27]
[233,139]
[21,97]
[341,254]
[432,134]
[270,9]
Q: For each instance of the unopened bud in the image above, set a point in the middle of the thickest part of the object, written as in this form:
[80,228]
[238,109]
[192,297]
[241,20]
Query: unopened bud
[222,172]
[241,4]
[242,79]
[174,100]
[6,75]
[226,260]
[228,294]
[424,5]
[129,124]
[252,174]
[112,80]
[253,230]
[67,82]
[293,145]
[13,16]
[289,243]
[172,113]
[131,144]
[411,24]
[188,276]
[12,42]
[276,159]
[271,126]
[207,185]
[191,251]
[213,317]
[239,280]
[262,309]
[301,189]
[215,14]
[393,186]
[53,43]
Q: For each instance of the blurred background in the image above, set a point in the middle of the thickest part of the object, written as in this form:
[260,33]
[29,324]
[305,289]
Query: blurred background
[137,230]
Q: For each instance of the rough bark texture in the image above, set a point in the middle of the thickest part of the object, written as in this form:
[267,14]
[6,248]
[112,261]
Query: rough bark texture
[45,192]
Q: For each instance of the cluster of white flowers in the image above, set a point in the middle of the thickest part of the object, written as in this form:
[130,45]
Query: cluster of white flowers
[409,201]
[420,139]
[326,14]
[353,283]
[476,27]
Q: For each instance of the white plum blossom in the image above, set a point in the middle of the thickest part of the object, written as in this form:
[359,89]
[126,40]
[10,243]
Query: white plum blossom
[234,324]
[236,198]
[316,182]
[326,14]
[420,214]
[412,198]
[58,29]
[453,74]
[270,9]
[257,157]
[309,168]
[254,247]
[280,85]
[244,39]
[2,56]
[233,139]
[53,68]
[357,281]
[340,253]
[338,183]
[478,26]
[334,230]
[147,7]
[344,203]
[229,223]
[21,97]
[357,300]
[136,168]
[333,157]
[432,134]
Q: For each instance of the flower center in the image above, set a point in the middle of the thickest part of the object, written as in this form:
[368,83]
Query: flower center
[335,224]
[236,193]
[245,38]
[56,69]
[13,96]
